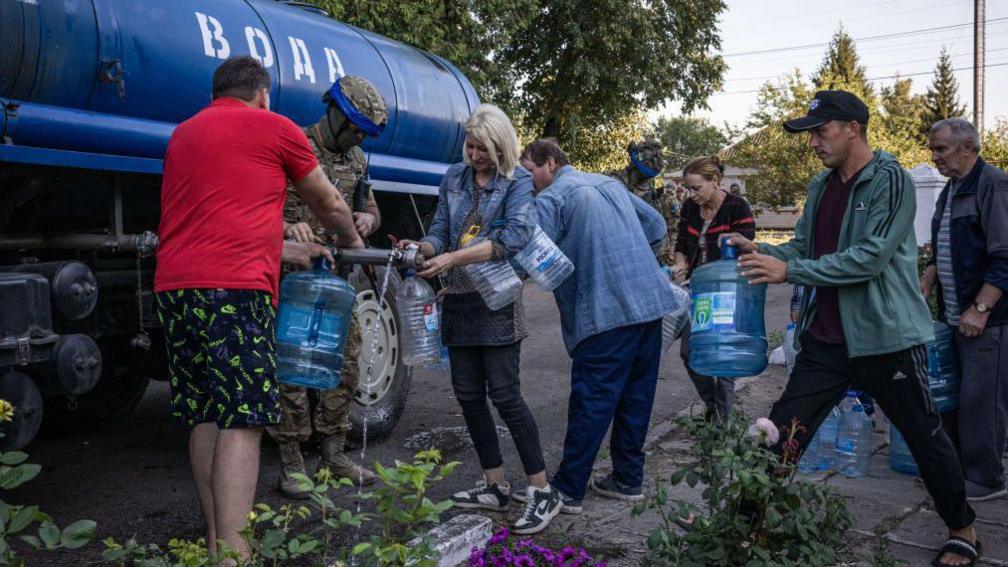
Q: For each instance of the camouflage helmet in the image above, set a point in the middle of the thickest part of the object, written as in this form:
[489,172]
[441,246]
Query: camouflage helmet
[360,102]
[647,157]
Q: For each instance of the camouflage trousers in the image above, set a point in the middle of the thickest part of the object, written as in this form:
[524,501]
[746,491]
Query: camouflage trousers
[332,412]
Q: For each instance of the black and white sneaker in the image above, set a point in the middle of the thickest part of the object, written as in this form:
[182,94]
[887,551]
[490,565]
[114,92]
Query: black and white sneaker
[484,496]
[541,506]
[612,488]
[569,504]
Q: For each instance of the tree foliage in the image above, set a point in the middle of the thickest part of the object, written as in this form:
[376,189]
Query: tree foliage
[941,100]
[564,68]
[583,62]
[786,163]
[686,137]
[994,145]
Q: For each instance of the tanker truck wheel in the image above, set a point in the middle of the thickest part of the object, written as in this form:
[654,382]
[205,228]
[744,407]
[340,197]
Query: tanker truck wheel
[382,397]
[119,390]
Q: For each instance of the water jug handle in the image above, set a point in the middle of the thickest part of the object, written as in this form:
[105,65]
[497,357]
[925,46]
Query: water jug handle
[322,264]
[728,251]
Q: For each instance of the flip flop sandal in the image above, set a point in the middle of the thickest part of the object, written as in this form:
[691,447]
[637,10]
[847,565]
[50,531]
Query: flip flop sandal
[685,523]
[961,547]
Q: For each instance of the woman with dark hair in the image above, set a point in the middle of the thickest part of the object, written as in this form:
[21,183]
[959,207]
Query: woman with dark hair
[709,212]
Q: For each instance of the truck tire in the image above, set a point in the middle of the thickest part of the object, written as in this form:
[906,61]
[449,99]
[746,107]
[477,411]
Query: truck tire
[380,399]
[119,391]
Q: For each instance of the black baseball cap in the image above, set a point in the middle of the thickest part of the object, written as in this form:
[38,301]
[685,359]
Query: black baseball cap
[830,105]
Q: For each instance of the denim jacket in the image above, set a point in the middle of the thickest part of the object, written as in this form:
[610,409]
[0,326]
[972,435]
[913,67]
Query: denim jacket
[504,212]
[608,233]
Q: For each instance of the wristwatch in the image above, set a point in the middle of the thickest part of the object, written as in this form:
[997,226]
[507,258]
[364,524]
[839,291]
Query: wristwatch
[981,307]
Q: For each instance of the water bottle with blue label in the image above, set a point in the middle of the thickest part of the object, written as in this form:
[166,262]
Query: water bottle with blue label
[312,326]
[544,262]
[943,377]
[900,458]
[420,341]
[821,451]
[728,336]
[854,437]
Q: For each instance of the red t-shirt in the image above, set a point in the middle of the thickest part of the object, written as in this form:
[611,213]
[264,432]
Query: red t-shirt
[222,196]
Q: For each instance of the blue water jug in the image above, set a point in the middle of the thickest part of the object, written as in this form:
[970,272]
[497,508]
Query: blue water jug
[312,326]
[728,336]
[943,378]
[900,459]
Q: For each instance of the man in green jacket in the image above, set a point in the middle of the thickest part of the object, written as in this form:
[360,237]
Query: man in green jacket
[865,325]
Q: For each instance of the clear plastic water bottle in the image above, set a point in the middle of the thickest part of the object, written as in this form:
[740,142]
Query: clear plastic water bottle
[820,454]
[900,459]
[312,326]
[544,262]
[943,379]
[674,322]
[728,336]
[496,282]
[789,349]
[421,325]
[854,438]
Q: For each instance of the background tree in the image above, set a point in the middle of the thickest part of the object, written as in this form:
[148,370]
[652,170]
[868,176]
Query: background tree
[994,145]
[842,69]
[686,137]
[465,32]
[588,63]
[942,98]
[897,123]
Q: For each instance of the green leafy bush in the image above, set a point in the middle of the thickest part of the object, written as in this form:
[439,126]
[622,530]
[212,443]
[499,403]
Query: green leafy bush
[758,512]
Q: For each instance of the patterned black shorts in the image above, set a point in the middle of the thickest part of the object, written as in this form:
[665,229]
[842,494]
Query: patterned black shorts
[221,355]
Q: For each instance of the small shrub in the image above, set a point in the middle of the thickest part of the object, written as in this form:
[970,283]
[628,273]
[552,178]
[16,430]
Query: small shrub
[758,512]
[18,521]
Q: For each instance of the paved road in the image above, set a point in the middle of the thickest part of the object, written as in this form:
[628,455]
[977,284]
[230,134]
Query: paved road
[133,478]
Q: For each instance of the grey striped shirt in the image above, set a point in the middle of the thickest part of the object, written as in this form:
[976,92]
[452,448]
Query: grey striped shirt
[943,260]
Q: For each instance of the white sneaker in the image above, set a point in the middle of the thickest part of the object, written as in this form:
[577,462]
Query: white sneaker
[484,496]
[541,506]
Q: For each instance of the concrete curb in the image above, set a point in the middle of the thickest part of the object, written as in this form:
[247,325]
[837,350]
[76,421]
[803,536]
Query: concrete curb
[454,539]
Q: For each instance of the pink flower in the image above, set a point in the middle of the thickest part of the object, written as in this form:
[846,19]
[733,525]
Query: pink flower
[764,431]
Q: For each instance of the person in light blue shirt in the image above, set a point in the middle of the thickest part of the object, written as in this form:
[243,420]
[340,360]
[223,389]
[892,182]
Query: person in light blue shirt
[610,314]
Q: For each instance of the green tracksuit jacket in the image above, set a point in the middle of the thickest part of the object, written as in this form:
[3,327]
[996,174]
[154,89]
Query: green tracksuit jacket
[875,266]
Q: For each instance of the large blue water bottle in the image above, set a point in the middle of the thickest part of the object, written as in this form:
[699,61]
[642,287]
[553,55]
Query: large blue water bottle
[312,326]
[728,337]
[943,381]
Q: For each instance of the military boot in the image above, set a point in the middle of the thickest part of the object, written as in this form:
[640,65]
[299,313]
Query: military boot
[340,465]
[291,462]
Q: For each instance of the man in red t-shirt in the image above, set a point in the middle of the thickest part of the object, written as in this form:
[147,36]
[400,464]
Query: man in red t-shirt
[218,272]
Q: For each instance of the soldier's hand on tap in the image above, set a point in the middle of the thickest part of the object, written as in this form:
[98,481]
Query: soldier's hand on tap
[365,223]
[300,232]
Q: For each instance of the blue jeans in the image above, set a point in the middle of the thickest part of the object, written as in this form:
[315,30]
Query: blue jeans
[613,380]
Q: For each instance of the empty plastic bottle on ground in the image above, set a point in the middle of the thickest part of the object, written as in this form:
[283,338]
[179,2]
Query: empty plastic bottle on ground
[496,282]
[728,336]
[854,438]
[821,452]
[674,322]
[789,350]
[312,325]
[421,325]
[544,262]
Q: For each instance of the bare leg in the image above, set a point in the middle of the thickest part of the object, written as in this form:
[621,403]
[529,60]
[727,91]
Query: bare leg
[235,475]
[495,476]
[202,441]
[538,479]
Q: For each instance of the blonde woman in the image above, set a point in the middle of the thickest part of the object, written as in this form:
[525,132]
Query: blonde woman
[488,195]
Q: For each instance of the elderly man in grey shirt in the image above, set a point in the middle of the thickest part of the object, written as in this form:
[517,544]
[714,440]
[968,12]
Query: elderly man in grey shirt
[969,233]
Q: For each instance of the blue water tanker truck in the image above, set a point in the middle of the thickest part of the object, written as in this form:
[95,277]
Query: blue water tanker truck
[90,92]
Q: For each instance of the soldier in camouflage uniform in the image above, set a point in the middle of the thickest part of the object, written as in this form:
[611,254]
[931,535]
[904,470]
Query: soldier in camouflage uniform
[669,206]
[355,110]
[647,163]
